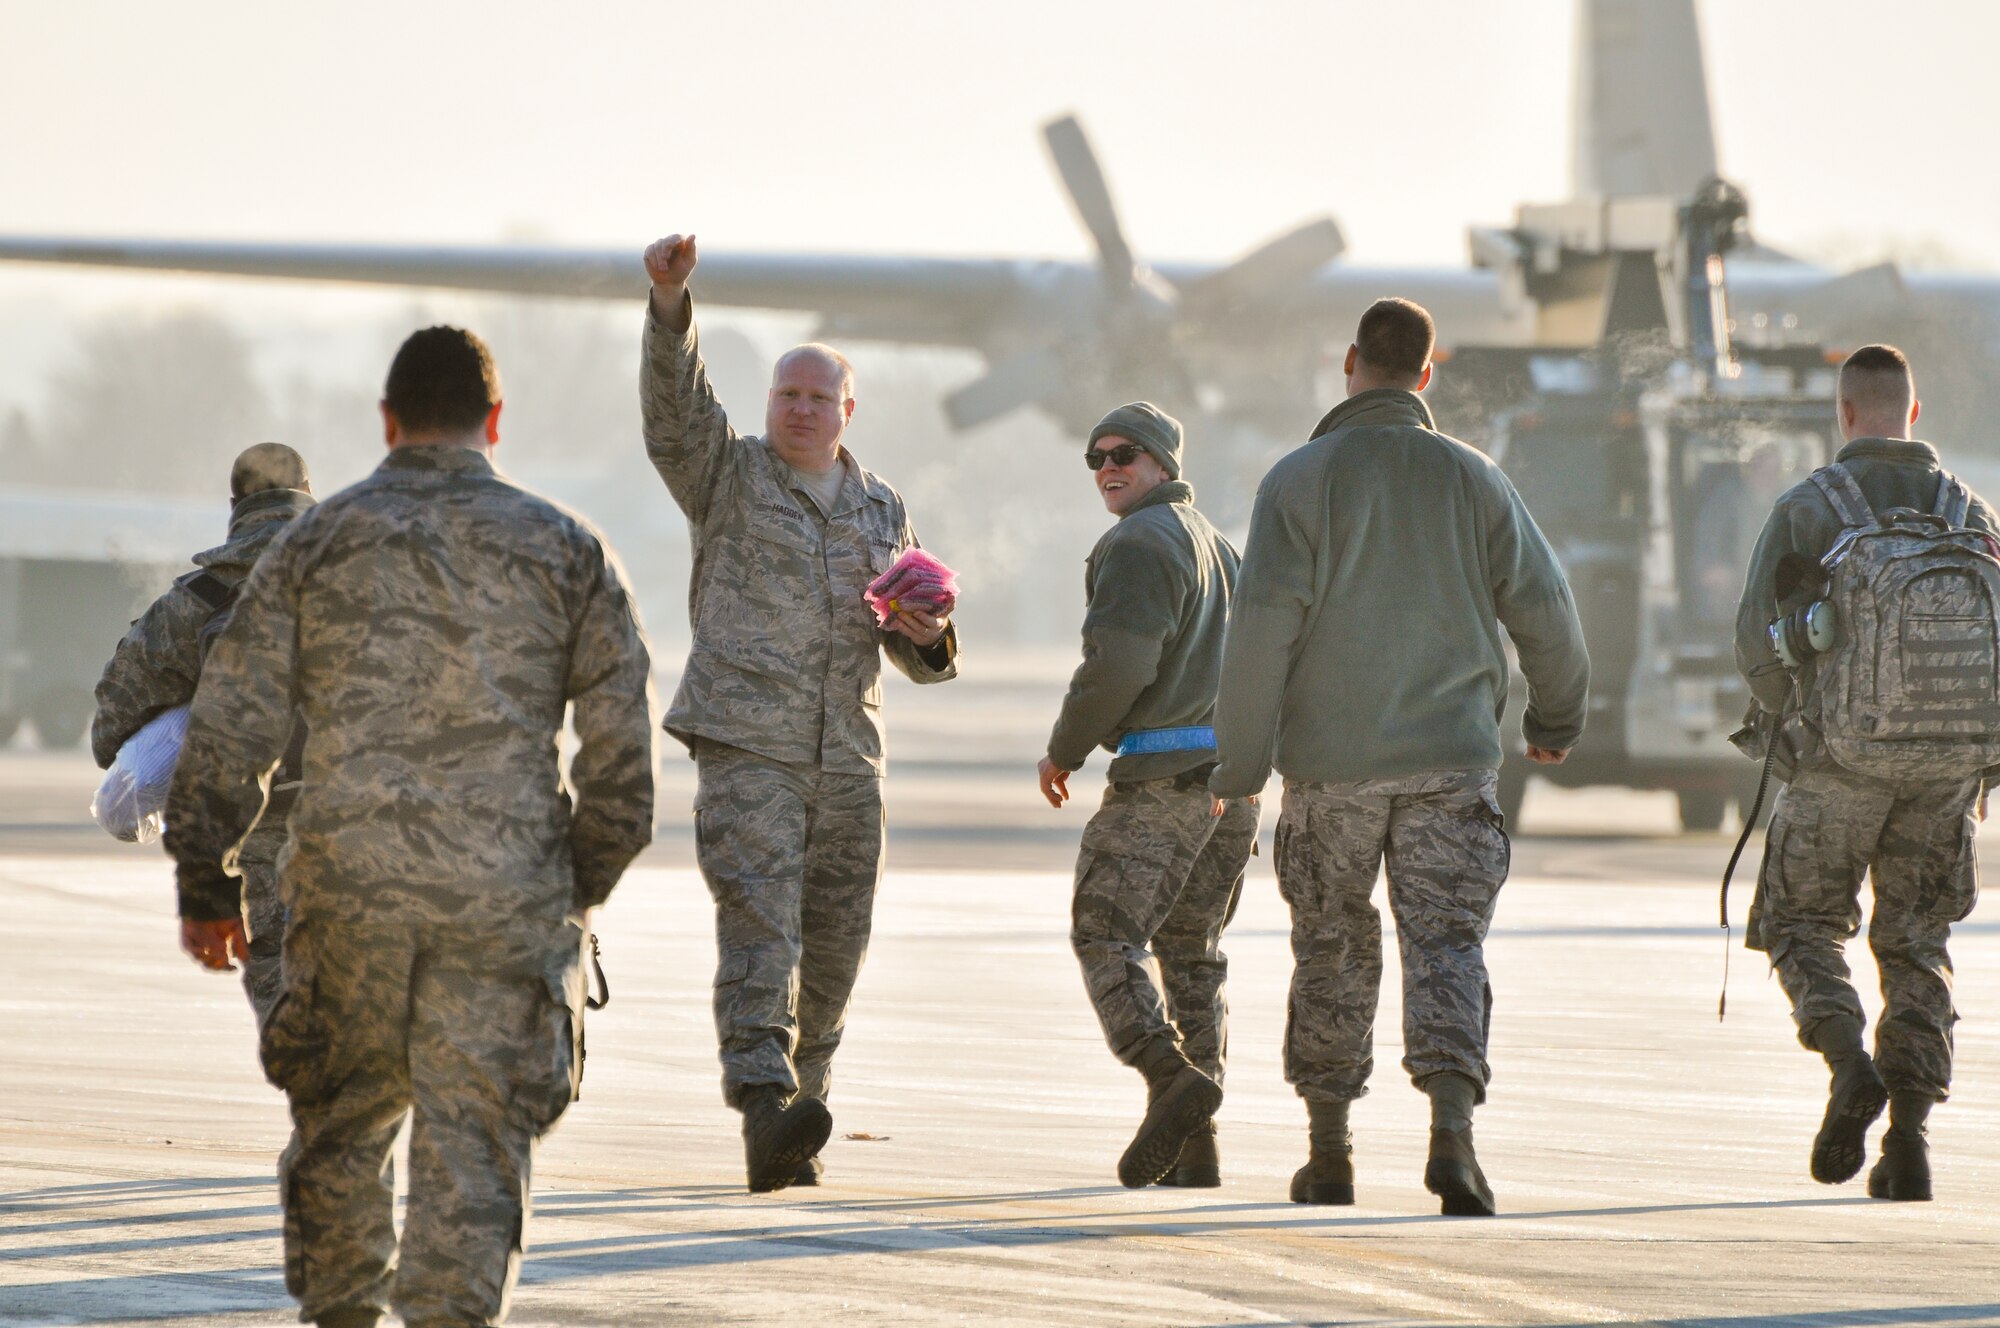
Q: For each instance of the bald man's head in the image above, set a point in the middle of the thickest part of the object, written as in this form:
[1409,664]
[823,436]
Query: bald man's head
[1877,394]
[827,355]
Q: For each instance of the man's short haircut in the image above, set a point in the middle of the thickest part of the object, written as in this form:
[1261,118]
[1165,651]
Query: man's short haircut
[824,352]
[267,466]
[1877,379]
[1396,338]
[442,380]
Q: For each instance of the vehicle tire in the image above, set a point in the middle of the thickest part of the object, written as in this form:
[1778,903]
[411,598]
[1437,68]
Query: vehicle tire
[1702,809]
[1512,791]
[59,715]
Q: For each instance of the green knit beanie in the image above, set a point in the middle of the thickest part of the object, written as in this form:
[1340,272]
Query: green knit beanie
[1148,426]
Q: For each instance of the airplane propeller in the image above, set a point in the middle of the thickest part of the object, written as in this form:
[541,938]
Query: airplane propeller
[1136,329]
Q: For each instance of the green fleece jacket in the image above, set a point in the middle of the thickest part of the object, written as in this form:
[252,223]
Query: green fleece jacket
[1364,643]
[1157,592]
[1890,472]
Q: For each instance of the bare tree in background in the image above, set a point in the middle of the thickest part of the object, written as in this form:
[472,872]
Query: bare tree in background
[159,404]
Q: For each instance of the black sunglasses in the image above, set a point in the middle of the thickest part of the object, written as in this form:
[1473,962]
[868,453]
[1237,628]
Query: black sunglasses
[1124,454]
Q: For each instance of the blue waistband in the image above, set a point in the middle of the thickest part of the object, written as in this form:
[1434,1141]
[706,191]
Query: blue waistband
[1145,742]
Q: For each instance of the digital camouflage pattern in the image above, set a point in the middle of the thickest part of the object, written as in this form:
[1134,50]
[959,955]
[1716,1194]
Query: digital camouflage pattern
[482,1035]
[158,663]
[1157,870]
[1829,829]
[787,657]
[1911,689]
[430,625]
[792,855]
[1446,856]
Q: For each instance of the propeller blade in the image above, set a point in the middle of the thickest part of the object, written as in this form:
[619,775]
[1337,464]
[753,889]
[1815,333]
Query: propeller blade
[1089,194]
[1021,379]
[1271,269]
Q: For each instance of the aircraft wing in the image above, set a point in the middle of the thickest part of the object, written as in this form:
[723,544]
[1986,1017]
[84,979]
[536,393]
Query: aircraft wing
[895,298]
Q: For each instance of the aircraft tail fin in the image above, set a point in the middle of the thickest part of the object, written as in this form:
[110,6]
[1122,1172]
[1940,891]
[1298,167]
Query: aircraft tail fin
[1640,118]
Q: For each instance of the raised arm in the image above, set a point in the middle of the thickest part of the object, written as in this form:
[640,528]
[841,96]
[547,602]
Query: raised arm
[610,685]
[687,434]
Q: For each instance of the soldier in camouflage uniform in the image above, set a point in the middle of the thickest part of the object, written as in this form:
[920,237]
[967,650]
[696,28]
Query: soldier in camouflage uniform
[158,663]
[780,704]
[1365,661]
[1161,864]
[430,624]
[1831,827]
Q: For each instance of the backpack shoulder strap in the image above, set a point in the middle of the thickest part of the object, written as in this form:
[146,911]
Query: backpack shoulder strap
[1849,503]
[1954,500]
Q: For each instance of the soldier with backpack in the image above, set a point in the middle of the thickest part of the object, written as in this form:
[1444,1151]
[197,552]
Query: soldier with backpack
[1867,631]
[158,663]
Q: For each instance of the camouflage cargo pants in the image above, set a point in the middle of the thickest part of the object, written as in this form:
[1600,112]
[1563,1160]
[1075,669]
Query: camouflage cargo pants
[1157,870]
[1830,829]
[478,1042]
[1440,837]
[792,856]
[262,976]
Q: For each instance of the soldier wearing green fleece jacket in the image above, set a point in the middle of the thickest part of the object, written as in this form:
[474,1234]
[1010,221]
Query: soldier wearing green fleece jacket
[1365,662]
[1161,864]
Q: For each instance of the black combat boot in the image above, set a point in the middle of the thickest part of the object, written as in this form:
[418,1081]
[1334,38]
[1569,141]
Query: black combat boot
[1854,1098]
[810,1171]
[778,1139]
[1904,1173]
[1179,1100]
[1200,1165]
[1452,1172]
[1328,1175]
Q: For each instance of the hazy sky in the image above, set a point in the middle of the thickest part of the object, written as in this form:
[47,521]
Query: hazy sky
[877,126]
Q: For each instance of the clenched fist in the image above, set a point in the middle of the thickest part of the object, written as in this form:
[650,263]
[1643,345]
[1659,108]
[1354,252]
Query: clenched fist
[670,262]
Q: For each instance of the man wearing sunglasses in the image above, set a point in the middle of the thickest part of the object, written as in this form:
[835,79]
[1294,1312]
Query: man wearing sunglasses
[1365,662]
[1162,861]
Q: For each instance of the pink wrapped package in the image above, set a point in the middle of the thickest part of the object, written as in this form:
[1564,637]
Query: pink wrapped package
[917,581]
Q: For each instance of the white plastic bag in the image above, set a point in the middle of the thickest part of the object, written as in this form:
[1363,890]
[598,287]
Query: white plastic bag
[131,801]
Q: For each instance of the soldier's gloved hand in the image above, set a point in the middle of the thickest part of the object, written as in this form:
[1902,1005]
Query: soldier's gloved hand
[213,944]
[670,262]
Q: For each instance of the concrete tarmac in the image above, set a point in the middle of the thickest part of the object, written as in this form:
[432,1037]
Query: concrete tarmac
[1650,1162]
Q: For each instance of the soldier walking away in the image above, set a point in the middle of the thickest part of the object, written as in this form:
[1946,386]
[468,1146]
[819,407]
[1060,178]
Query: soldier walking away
[780,705]
[1887,733]
[1365,662]
[1162,861]
[430,624]
[158,663]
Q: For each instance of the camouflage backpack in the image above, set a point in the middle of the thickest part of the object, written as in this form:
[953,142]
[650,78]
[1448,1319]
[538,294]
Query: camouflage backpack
[1911,686]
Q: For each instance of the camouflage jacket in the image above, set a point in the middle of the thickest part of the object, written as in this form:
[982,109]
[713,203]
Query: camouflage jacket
[429,624]
[1156,593]
[158,663]
[787,659]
